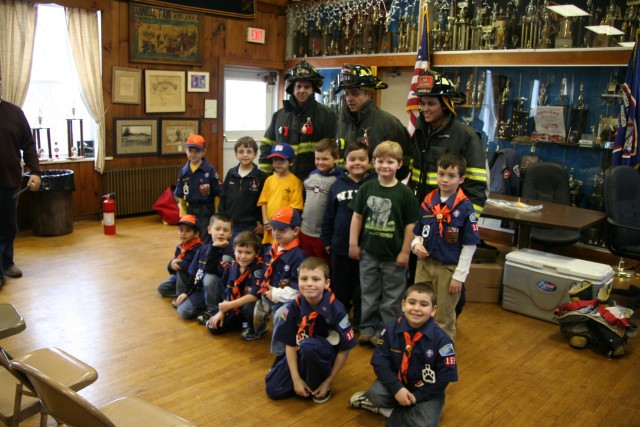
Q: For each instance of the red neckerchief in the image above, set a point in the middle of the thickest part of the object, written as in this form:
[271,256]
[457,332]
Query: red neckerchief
[235,291]
[308,321]
[406,355]
[186,247]
[275,252]
[441,210]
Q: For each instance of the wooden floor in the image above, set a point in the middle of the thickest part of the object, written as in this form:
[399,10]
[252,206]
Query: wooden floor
[94,296]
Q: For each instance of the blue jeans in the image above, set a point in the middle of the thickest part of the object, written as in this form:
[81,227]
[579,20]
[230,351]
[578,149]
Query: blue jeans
[8,225]
[425,414]
[382,286]
[174,285]
[200,299]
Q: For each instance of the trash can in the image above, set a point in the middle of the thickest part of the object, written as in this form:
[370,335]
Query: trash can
[52,204]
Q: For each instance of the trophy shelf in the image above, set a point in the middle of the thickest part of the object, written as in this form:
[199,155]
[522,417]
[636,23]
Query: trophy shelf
[617,56]
[575,57]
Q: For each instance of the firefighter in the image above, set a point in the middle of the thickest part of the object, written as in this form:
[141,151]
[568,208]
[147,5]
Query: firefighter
[301,122]
[438,132]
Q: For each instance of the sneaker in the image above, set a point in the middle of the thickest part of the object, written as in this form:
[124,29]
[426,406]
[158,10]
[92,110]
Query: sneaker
[322,399]
[174,303]
[204,317]
[375,340]
[13,272]
[359,400]
[249,334]
[365,337]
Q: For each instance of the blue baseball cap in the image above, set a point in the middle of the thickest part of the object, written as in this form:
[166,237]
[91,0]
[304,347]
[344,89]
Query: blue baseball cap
[282,150]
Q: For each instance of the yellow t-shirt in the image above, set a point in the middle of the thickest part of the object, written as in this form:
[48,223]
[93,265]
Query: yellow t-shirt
[278,193]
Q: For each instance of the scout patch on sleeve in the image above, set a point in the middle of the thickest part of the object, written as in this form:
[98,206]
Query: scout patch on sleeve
[447,350]
[344,323]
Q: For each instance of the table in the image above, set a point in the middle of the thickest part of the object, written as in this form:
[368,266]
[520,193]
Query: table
[552,214]
[11,322]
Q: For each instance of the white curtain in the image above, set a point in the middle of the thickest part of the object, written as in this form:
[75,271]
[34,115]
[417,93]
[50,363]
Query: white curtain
[85,46]
[17,32]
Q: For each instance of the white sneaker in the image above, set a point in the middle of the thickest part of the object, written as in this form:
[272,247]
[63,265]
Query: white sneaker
[360,400]
[261,314]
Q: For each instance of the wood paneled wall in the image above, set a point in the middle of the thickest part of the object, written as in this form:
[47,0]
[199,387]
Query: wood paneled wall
[224,44]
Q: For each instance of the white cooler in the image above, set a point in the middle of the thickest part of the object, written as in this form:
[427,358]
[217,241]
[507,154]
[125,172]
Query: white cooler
[535,283]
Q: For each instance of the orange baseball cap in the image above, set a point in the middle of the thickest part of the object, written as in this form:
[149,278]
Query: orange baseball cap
[285,218]
[196,141]
[188,220]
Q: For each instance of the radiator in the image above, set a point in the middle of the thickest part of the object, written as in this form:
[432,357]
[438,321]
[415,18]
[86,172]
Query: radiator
[137,189]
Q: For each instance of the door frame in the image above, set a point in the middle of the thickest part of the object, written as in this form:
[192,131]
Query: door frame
[228,61]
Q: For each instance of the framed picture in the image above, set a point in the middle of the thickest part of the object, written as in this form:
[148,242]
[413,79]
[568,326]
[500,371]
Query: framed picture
[126,85]
[174,134]
[134,137]
[161,35]
[197,81]
[164,91]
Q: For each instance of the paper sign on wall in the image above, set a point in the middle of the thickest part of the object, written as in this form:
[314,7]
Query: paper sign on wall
[210,108]
[550,120]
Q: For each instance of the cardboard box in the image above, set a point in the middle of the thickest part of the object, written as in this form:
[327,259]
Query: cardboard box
[484,282]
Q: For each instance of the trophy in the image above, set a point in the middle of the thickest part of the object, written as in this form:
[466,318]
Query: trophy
[575,188]
[504,127]
[475,41]
[436,36]
[544,41]
[520,120]
[579,113]
[470,89]
[630,23]
[460,36]
[529,33]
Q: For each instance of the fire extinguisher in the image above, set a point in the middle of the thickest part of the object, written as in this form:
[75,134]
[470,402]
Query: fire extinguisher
[109,213]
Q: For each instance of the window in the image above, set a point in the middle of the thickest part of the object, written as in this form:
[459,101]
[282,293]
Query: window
[54,96]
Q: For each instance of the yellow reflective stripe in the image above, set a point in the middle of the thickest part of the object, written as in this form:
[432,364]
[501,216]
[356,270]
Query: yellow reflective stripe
[477,174]
[268,141]
[478,209]
[304,147]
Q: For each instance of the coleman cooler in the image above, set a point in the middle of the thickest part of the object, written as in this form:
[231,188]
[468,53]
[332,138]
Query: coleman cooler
[535,283]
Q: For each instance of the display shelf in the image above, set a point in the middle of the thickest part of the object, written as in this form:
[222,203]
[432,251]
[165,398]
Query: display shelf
[577,57]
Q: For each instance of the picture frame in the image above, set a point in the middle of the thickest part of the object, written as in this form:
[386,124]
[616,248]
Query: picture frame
[163,35]
[164,91]
[197,81]
[135,136]
[126,86]
[174,134]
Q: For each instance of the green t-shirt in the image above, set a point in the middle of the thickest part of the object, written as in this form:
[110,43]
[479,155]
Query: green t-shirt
[386,211]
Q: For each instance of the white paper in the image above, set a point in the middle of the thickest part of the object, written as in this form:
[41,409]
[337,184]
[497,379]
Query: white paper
[550,120]
[210,108]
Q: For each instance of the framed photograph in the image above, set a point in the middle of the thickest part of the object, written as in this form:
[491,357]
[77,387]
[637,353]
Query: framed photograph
[126,86]
[174,134]
[197,81]
[162,35]
[135,137]
[164,91]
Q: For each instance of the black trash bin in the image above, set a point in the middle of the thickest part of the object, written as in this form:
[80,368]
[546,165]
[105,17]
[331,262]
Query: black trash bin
[52,204]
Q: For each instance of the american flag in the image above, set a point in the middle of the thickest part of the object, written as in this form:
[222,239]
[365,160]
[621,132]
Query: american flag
[422,63]
[625,146]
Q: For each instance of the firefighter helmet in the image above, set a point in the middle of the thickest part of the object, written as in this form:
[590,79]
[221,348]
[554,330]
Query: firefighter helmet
[303,71]
[430,83]
[357,76]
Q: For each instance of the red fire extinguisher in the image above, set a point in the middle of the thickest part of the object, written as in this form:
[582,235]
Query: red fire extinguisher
[109,213]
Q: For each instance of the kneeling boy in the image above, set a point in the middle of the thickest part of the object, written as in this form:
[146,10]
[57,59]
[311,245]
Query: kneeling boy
[241,282]
[414,364]
[318,336]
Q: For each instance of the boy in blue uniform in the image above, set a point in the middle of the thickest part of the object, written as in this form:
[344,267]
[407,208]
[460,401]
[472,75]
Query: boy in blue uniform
[178,267]
[413,365]
[241,282]
[336,221]
[318,336]
[241,189]
[445,239]
[198,185]
[203,293]
[280,284]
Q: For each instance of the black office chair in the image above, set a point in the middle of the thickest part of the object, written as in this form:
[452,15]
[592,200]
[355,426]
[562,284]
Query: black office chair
[548,182]
[622,206]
